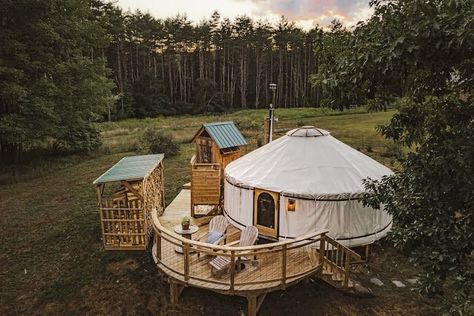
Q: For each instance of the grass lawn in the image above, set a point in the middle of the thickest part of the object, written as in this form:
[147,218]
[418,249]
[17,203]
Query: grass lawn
[52,258]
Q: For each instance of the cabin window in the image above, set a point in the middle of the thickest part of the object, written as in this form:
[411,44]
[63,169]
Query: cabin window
[229,150]
[266,210]
[205,152]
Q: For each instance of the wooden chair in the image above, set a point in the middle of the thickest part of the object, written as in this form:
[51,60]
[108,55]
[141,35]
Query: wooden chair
[221,264]
[219,225]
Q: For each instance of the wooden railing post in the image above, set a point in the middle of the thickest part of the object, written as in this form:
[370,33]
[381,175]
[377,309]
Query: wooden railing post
[283,266]
[346,270]
[232,269]
[266,121]
[322,248]
[158,245]
[186,260]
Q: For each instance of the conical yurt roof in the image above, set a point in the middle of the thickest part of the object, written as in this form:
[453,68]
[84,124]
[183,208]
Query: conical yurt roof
[307,162]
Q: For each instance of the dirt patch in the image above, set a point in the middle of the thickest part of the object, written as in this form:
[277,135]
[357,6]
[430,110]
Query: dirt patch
[122,268]
[119,297]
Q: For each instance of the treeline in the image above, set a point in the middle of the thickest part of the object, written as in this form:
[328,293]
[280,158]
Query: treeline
[173,66]
[67,64]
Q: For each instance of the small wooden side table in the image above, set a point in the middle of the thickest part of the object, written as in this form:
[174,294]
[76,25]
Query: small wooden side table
[178,229]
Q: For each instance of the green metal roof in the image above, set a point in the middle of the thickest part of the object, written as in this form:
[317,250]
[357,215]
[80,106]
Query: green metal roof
[225,134]
[130,168]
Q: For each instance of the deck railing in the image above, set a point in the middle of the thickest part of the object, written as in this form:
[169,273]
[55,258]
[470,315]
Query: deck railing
[338,258]
[269,266]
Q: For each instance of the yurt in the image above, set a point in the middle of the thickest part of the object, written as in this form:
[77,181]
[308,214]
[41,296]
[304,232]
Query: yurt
[302,182]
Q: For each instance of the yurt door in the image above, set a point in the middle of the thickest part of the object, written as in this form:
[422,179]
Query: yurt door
[265,214]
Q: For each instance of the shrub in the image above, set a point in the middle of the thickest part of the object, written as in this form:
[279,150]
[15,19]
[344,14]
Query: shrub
[251,125]
[81,138]
[392,150]
[158,141]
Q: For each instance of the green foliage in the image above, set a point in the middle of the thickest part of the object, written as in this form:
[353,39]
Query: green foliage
[414,47]
[186,220]
[420,54]
[246,124]
[431,199]
[51,85]
[333,49]
[300,123]
[78,138]
[158,141]
[148,98]
[393,149]
[172,66]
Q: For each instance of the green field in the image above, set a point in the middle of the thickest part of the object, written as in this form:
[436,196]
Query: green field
[355,127]
[52,257]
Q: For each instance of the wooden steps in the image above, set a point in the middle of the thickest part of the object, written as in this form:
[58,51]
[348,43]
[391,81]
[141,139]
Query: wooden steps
[335,278]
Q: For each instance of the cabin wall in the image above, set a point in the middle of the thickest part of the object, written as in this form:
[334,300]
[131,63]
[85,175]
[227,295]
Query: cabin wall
[226,159]
[207,172]
[205,185]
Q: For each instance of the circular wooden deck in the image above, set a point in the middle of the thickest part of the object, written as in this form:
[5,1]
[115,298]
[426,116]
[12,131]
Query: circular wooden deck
[270,267]
[266,268]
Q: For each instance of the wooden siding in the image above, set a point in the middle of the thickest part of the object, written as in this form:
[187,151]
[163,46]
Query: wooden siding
[207,171]
[205,184]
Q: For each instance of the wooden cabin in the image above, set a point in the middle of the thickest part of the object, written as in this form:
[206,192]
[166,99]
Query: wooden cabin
[217,144]
[127,193]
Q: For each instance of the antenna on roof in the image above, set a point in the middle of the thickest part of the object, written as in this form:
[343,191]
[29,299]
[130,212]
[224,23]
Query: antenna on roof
[272,87]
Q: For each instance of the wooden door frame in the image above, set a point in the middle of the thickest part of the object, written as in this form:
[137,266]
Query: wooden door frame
[263,230]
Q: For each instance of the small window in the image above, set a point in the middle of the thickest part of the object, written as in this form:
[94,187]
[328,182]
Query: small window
[229,150]
[205,151]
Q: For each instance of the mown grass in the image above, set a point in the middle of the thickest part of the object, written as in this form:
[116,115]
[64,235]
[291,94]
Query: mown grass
[52,257]
[119,135]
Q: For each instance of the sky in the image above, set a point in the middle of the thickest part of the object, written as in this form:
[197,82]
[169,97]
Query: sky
[305,13]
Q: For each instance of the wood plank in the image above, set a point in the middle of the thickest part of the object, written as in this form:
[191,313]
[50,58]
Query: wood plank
[132,189]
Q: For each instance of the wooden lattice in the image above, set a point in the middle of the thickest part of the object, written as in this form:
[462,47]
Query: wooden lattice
[123,224]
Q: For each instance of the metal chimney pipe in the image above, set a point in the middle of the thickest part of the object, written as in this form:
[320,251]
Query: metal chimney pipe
[273,87]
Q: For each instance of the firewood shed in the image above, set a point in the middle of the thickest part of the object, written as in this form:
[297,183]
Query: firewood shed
[127,193]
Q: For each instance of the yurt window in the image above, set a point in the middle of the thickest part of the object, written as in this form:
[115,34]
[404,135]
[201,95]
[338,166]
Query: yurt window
[266,210]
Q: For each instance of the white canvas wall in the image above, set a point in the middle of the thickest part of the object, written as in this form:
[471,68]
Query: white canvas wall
[348,221]
[238,204]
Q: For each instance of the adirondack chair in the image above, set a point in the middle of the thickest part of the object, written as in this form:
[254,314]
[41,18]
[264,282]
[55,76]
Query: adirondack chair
[220,264]
[217,226]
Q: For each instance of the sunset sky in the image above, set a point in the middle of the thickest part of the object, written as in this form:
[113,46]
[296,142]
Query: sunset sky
[306,13]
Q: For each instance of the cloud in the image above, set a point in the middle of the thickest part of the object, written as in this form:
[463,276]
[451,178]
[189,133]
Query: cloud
[306,13]
[320,12]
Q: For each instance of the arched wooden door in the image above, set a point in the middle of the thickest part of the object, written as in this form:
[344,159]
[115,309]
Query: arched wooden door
[265,214]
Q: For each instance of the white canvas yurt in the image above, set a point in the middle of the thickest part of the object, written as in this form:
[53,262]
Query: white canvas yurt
[302,182]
